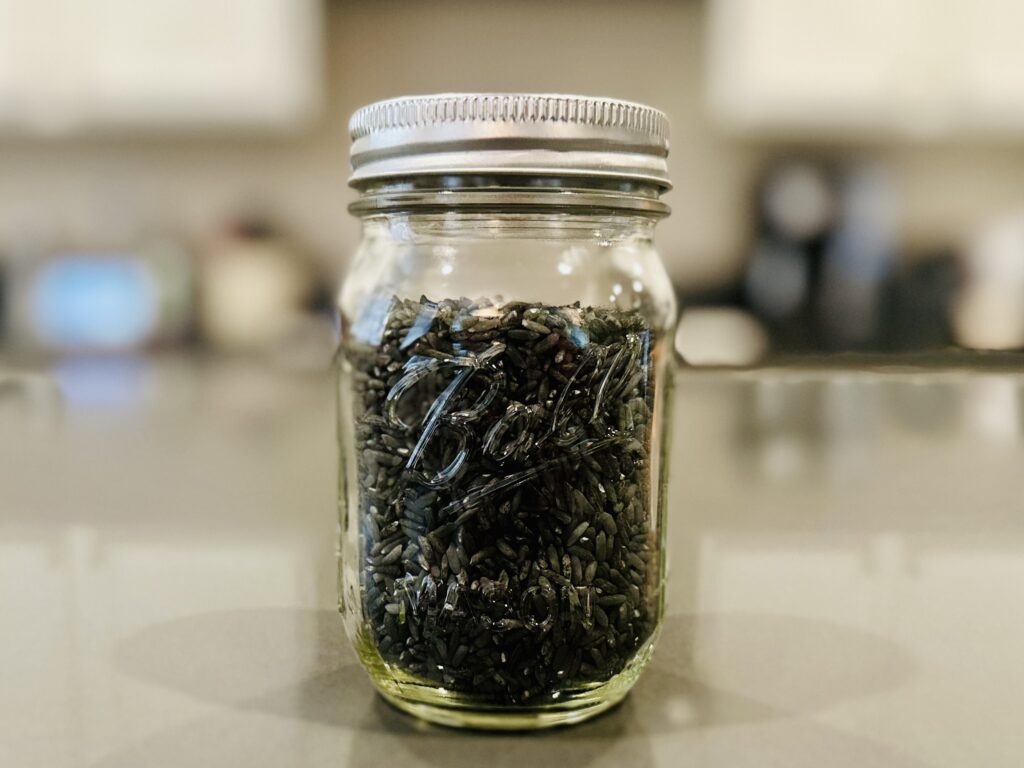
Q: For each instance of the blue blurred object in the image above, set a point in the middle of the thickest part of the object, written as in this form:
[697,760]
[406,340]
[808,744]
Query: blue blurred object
[94,301]
[778,279]
[859,259]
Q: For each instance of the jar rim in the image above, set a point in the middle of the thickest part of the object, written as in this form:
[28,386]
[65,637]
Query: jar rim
[510,193]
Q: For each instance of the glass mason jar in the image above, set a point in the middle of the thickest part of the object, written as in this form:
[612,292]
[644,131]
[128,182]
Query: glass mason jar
[504,377]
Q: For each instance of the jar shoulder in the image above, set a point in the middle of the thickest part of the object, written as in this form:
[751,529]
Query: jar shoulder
[623,272]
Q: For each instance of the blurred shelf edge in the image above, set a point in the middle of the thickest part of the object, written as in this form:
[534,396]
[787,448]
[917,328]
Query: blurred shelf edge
[164,67]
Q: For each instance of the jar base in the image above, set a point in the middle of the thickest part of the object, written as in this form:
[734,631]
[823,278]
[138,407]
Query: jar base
[456,710]
[497,718]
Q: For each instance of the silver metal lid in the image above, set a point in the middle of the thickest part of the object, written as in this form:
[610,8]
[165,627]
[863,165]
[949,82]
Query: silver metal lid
[509,133]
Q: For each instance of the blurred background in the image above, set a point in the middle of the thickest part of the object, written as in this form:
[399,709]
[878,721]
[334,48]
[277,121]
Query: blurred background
[849,175]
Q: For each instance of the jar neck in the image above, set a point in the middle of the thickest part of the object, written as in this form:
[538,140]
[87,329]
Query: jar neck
[511,195]
[427,226]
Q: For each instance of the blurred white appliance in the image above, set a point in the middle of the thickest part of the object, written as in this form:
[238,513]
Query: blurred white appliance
[254,291]
[69,67]
[989,313]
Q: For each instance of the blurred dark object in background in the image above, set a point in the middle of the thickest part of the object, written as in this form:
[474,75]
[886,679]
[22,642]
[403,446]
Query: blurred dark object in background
[824,248]
[795,207]
[921,296]
[826,275]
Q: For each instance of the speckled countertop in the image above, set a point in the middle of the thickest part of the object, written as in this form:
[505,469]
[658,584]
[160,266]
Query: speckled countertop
[847,555]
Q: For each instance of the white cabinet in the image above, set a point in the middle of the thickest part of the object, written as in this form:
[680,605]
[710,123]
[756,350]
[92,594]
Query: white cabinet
[71,66]
[910,67]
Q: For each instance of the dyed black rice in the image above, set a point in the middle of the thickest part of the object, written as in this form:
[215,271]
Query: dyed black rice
[503,460]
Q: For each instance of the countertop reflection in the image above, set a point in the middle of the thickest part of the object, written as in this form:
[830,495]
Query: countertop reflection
[846,556]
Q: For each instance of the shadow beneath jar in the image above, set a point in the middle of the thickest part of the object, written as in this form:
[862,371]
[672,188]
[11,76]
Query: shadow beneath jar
[709,671]
[607,740]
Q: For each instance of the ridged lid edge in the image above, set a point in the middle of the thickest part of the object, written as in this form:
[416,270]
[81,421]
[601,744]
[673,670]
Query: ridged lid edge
[511,108]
